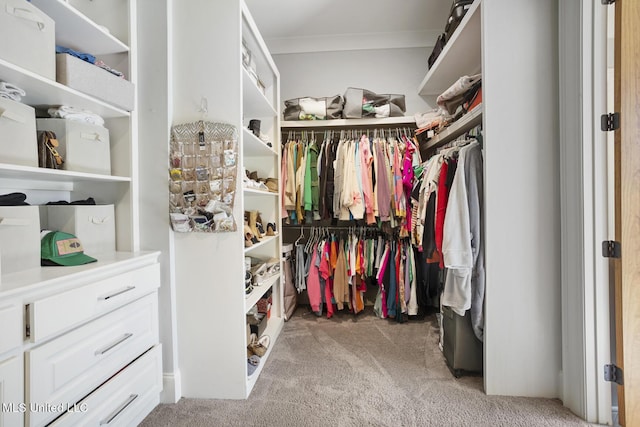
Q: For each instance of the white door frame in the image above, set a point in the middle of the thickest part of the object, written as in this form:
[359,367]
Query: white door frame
[586,344]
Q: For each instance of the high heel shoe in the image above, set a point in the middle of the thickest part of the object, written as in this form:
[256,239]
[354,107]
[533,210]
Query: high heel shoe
[271,229]
[253,215]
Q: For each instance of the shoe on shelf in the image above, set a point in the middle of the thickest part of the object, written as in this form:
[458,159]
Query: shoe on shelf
[272,184]
[256,347]
[271,229]
[252,364]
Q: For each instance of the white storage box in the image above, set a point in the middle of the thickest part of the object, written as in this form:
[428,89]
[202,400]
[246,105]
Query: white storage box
[28,37]
[18,143]
[84,147]
[94,81]
[19,238]
[94,225]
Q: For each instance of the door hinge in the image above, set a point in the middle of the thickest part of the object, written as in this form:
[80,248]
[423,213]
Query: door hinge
[611,249]
[608,2]
[609,122]
[613,374]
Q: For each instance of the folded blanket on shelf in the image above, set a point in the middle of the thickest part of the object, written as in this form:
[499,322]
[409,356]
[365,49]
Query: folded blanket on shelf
[76,114]
[10,91]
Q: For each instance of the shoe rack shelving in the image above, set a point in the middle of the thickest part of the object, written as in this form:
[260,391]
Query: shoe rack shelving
[211,301]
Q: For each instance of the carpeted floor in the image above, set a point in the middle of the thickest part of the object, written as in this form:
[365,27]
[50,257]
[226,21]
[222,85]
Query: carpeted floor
[369,372]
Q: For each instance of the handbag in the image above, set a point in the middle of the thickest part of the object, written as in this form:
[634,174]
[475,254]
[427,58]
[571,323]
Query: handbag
[48,156]
[437,49]
[359,103]
[308,108]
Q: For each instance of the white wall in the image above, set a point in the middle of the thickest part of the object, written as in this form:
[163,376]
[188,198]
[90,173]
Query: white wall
[522,199]
[154,98]
[323,74]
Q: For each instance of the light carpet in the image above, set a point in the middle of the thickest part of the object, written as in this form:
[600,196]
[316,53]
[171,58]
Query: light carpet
[364,372]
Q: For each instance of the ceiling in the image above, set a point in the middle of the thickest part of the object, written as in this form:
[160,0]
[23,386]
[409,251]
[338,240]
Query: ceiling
[295,26]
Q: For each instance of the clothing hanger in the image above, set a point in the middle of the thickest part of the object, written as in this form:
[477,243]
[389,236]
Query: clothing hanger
[300,237]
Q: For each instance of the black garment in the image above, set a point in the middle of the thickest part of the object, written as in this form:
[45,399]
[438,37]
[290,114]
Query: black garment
[429,234]
[13,199]
[327,179]
[89,201]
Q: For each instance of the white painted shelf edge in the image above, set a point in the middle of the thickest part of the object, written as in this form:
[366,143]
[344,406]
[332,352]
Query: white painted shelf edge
[45,92]
[259,291]
[44,277]
[76,31]
[463,48]
[33,173]
[404,120]
[264,241]
[273,331]
[466,122]
[250,191]
[254,146]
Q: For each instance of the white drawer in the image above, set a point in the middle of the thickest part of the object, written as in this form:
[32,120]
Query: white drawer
[68,368]
[52,315]
[11,321]
[124,400]
[11,396]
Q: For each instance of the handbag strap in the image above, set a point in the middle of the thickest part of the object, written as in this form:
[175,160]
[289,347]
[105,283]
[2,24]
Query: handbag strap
[52,143]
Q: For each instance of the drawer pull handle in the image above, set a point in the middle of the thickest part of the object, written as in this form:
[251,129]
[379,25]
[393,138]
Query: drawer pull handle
[12,116]
[99,221]
[90,136]
[26,14]
[115,294]
[118,410]
[14,221]
[114,344]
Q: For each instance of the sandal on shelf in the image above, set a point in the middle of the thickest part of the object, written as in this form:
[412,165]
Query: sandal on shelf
[265,341]
[271,229]
[252,364]
[256,347]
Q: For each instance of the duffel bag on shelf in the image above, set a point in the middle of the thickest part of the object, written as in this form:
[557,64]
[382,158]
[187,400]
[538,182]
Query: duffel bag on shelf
[359,103]
[313,108]
[458,10]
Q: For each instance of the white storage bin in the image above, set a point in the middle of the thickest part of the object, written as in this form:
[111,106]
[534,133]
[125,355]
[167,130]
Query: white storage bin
[94,225]
[28,37]
[94,81]
[84,147]
[18,143]
[19,238]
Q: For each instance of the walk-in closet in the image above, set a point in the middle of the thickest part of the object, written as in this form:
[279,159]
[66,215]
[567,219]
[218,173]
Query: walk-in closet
[284,213]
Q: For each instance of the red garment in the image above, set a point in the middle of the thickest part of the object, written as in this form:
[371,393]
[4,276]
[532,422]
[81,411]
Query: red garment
[441,209]
[325,273]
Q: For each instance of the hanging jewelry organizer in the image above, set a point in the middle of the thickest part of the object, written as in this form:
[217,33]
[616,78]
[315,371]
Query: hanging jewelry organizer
[203,168]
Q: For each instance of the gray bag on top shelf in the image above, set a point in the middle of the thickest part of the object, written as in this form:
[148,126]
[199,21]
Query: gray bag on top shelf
[313,108]
[359,103]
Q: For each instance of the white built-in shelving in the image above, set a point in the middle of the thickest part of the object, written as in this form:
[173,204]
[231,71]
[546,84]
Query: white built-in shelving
[370,122]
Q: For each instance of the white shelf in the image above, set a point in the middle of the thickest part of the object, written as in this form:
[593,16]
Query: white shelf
[18,172]
[252,146]
[372,122]
[253,191]
[262,242]
[465,123]
[460,56]
[74,30]
[42,92]
[254,102]
[273,331]
[259,291]
[43,277]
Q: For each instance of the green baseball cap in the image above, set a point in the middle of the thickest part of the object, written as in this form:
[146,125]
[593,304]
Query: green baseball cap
[59,248]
